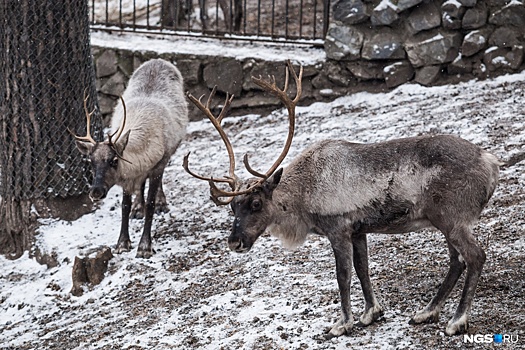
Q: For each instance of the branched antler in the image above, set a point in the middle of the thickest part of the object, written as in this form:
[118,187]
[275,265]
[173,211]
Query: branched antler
[270,86]
[88,136]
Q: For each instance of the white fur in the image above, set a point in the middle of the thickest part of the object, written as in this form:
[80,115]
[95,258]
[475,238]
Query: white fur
[157,115]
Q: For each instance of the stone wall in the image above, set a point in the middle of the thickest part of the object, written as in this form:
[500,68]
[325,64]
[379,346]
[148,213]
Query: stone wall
[372,45]
[201,73]
[429,42]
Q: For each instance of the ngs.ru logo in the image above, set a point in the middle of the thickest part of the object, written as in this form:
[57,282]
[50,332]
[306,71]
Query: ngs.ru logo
[489,338]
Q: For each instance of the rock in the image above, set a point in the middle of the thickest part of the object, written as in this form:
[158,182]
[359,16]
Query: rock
[503,58]
[426,16]
[474,42]
[383,46]
[468,3]
[505,37]
[227,75]
[427,75]
[475,17]
[452,13]
[190,70]
[459,66]
[513,14]
[384,14]
[90,270]
[350,11]
[343,42]
[125,62]
[427,49]
[366,70]
[406,4]
[106,64]
[449,22]
[337,74]
[453,8]
[106,104]
[115,85]
[398,73]
[265,70]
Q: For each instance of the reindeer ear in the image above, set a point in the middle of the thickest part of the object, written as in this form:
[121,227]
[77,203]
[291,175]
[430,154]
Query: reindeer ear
[122,142]
[272,182]
[84,147]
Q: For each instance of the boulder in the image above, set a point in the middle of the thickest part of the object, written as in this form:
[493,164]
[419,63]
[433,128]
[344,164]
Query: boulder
[115,85]
[398,73]
[427,75]
[350,11]
[385,45]
[453,8]
[474,42]
[427,49]
[503,58]
[505,37]
[512,14]
[426,16]
[460,65]
[468,3]
[90,270]
[384,14]
[106,64]
[265,70]
[343,43]
[402,5]
[475,17]
[226,74]
[363,70]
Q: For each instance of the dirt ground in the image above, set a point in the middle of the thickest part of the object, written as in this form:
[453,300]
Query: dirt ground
[195,294]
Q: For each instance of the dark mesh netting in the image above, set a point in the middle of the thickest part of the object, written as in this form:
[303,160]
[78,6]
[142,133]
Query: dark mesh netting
[45,67]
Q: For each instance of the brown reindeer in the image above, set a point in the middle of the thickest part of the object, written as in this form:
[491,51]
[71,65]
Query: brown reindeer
[344,190]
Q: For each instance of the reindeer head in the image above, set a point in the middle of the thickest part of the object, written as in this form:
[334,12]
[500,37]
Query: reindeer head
[251,201]
[104,156]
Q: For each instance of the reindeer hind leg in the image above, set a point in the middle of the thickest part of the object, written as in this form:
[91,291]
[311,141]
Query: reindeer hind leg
[430,313]
[373,311]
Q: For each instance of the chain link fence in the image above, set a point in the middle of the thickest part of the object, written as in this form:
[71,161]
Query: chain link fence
[45,68]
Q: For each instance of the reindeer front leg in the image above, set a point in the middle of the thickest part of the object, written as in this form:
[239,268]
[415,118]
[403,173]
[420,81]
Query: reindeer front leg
[145,250]
[343,251]
[124,243]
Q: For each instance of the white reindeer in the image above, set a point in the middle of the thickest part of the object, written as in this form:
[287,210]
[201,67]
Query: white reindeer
[148,131]
[343,191]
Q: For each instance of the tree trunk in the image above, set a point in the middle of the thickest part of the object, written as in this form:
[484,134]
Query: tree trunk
[45,67]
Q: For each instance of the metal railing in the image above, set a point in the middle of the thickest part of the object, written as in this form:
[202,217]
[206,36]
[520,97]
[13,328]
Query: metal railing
[290,21]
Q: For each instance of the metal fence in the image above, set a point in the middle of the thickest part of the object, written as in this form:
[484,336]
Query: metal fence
[304,21]
[46,61]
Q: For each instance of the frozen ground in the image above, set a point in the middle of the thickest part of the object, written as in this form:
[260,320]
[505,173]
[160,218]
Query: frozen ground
[196,294]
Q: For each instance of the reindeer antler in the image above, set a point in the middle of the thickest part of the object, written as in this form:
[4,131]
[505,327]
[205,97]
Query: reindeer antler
[216,121]
[119,131]
[88,136]
[290,104]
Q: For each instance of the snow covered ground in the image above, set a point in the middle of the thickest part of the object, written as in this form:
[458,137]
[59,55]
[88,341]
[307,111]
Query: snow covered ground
[196,294]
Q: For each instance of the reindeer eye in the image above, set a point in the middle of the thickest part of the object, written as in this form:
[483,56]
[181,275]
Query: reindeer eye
[114,162]
[256,205]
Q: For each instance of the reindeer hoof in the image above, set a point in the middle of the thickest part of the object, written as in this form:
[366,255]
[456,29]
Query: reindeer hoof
[424,316]
[145,253]
[161,208]
[369,316]
[123,247]
[339,329]
[137,213]
[457,326]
